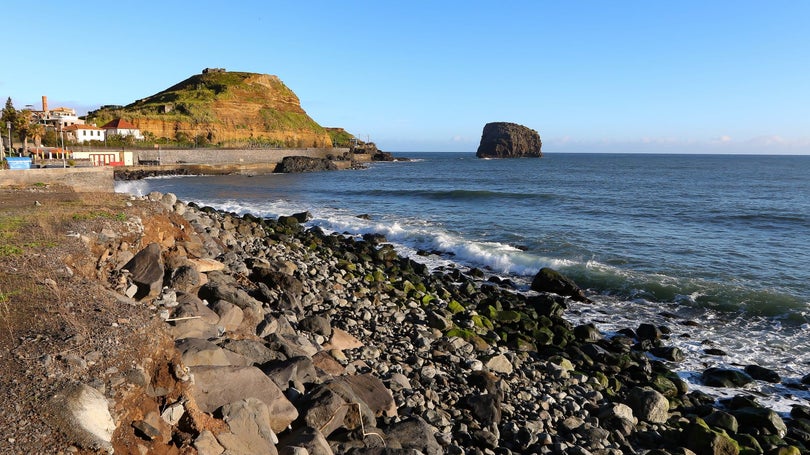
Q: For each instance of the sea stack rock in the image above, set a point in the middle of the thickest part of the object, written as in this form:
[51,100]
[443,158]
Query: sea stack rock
[509,140]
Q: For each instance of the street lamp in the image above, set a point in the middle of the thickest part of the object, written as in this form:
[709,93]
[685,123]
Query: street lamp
[10,148]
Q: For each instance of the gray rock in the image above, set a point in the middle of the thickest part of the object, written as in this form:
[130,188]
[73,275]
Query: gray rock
[249,422]
[230,315]
[189,305]
[254,350]
[415,433]
[197,352]
[316,324]
[648,404]
[500,364]
[220,385]
[294,372]
[308,438]
[185,278]
[371,391]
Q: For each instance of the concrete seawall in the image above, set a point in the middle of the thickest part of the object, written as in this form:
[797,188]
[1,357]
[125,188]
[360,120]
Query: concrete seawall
[89,179]
[229,156]
[186,161]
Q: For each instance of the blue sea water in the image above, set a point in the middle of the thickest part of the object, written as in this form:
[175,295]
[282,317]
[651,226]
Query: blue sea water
[719,239]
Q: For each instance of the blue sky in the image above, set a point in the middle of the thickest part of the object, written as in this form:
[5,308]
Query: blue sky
[641,76]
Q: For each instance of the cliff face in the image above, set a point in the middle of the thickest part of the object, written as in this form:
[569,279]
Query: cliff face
[509,140]
[227,108]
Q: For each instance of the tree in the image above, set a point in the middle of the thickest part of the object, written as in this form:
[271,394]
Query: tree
[9,113]
[24,126]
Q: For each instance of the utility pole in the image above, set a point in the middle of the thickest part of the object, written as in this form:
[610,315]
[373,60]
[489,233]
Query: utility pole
[10,148]
[62,135]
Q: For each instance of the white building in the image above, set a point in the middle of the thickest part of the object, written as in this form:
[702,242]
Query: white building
[122,127]
[85,133]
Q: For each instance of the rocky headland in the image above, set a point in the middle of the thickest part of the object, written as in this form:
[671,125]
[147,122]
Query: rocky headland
[263,336]
[509,140]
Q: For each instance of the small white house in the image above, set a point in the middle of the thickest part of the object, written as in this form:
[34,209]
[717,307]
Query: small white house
[85,133]
[122,127]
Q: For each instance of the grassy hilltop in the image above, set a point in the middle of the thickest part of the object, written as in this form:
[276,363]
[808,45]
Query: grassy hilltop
[223,108]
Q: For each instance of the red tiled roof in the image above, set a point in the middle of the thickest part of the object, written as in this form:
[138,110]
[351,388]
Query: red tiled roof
[120,124]
[81,127]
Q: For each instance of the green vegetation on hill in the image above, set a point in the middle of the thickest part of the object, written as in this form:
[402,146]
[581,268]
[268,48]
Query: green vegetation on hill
[223,108]
[340,137]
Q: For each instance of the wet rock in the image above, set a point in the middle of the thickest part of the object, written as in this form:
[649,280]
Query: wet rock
[587,333]
[647,331]
[671,353]
[704,440]
[763,374]
[760,418]
[549,280]
[724,420]
[725,377]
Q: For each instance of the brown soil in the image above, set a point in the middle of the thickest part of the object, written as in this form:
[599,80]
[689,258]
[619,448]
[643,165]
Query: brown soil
[61,322]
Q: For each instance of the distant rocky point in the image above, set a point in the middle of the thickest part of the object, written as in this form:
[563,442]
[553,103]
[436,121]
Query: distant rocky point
[509,140]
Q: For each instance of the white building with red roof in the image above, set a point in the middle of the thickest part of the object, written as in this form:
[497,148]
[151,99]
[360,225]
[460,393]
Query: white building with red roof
[122,127]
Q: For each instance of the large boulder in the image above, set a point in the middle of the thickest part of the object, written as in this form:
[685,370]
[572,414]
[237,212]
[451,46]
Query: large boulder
[509,140]
[216,386]
[146,269]
[296,164]
[550,280]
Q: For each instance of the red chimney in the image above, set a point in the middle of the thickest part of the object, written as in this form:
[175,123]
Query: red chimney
[44,103]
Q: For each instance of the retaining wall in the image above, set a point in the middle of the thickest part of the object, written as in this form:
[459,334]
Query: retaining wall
[88,179]
[228,156]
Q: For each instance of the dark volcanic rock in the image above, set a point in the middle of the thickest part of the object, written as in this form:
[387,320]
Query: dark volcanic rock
[147,270]
[509,140]
[550,280]
[725,377]
[296,164]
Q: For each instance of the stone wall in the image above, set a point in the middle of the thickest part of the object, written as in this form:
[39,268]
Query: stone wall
[89,179]
[228,156]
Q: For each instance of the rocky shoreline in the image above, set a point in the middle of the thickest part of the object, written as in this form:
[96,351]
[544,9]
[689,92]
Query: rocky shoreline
[291,340]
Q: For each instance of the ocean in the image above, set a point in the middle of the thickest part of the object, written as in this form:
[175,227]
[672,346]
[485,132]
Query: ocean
[713,246]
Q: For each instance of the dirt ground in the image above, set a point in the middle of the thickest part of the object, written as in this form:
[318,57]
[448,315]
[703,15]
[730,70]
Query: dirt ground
[61,324]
